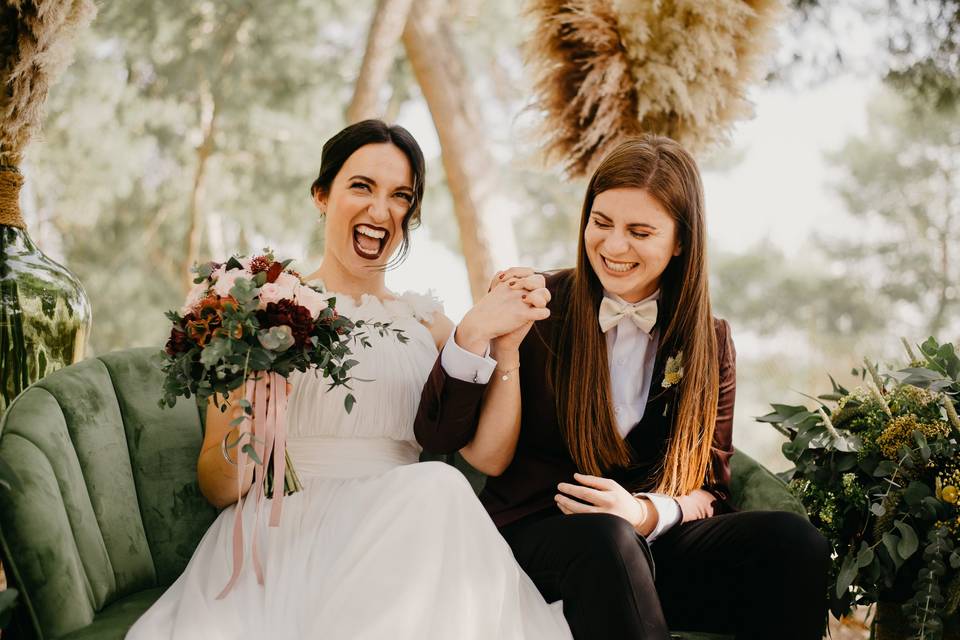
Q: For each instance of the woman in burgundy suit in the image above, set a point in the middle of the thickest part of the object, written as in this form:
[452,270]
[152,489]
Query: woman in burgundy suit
[606,429]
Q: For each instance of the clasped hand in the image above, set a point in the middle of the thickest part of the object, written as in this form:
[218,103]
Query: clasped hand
[516,299]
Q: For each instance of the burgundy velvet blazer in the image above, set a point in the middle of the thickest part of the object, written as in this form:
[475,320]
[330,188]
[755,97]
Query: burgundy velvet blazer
[450,409]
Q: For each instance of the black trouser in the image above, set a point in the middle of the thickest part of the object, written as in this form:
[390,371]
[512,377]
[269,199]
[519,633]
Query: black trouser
[755,574]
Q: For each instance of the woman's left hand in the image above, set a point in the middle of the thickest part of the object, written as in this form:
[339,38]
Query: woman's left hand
[602,495]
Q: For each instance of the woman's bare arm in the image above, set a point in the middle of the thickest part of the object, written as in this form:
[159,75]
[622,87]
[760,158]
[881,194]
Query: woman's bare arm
[217,476]
[492,449]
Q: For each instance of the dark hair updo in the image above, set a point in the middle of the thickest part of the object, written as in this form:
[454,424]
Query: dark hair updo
[343,145]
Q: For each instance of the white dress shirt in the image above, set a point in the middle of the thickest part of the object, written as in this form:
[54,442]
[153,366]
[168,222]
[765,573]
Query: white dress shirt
[631,354]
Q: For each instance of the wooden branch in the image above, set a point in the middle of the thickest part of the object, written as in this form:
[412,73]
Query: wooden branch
[385,32]
[441,74]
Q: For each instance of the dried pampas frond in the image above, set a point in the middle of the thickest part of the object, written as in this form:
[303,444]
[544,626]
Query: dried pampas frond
[583,81]
[36,44]
[606,70]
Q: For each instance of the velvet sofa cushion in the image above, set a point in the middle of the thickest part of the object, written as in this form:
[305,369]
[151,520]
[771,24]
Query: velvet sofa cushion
[753,487]
[116,619]
[109,505]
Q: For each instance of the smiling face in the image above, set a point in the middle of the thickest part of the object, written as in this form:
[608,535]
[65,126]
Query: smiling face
[630,239]
[365,207]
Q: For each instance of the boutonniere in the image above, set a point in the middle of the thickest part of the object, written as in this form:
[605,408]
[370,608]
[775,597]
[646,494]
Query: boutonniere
[673,372]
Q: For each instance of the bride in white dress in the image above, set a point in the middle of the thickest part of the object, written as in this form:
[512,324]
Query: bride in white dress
[376,545]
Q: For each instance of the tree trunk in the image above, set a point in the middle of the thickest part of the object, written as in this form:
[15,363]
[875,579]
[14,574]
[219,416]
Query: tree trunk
[946,274]
[385,32]
[208,122]
[209,103]
[470,169]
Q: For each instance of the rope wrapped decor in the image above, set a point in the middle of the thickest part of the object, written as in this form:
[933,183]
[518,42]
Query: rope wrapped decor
[36,44]
[606,70]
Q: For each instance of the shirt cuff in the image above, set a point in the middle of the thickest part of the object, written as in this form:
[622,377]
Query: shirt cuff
[668,513]
[463,365]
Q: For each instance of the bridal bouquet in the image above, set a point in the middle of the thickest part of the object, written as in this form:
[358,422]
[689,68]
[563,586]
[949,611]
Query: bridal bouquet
[878,470]
[250,322]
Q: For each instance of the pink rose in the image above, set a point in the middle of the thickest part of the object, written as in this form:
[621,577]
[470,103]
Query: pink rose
[272,292]
[313,300]
[289,281]
[226,281]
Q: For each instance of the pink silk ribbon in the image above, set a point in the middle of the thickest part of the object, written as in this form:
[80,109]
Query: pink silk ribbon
[268,431]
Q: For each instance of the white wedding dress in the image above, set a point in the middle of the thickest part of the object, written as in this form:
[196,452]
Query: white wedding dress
[376,545]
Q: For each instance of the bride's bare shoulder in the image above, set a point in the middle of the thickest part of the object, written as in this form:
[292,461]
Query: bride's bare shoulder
[440,327]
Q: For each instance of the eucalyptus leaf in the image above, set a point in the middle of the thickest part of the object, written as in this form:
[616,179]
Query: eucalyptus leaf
[865,555]
[916,376]
[787,410]
[260,359]
[908,542]
[891,543]
[251,451]
[244,290]
[915,492]
[931,506]
[886,468]
[216,350]
[348,402]
[846,463]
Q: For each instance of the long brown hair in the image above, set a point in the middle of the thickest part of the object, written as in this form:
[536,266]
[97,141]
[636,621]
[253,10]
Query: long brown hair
[669,174]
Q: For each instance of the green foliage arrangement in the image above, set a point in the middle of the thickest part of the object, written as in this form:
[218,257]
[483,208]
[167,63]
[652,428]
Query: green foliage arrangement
[878,471]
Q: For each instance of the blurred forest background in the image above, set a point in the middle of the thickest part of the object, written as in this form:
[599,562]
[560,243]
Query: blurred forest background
[188,130]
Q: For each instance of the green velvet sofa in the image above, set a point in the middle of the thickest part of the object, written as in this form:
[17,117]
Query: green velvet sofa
[109,511]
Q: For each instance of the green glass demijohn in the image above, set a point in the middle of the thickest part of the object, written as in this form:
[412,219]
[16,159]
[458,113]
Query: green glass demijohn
[45,314]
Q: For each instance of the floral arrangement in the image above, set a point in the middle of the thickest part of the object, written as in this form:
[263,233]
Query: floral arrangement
[256,314]
[878,471]
[250,322]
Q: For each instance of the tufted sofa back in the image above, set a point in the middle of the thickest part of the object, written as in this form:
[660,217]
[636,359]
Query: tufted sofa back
[108,504]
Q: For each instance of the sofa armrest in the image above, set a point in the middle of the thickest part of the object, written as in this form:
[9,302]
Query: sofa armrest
[755,488]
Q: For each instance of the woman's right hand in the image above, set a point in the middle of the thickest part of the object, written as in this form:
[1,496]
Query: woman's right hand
[534,284]
[515,301]
[696,505]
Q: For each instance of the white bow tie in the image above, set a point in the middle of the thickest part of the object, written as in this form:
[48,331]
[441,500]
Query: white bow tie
[644,315]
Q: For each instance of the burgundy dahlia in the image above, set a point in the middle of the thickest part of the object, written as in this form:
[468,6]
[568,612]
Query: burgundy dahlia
[177,343]
[291,314]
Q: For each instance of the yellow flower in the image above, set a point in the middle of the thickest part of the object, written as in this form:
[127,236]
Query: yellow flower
[899,433]
[950,494]
[673,372]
